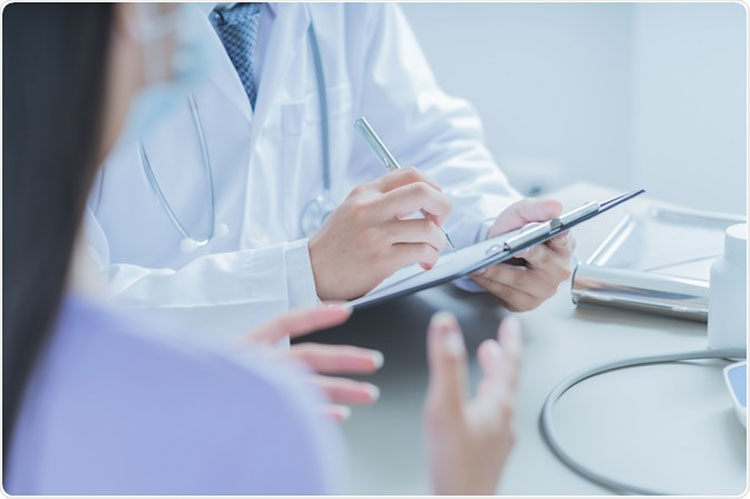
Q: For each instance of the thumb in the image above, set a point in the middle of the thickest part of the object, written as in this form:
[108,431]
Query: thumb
[447,363]
[524,211]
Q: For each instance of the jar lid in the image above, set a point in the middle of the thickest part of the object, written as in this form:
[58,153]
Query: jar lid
[735,243]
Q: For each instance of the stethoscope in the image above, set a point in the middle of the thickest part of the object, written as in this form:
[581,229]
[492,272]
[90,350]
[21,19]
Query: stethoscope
[314,213]
[188,243]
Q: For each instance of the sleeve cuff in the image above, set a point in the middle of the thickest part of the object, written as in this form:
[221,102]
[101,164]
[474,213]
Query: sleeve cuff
[300,280]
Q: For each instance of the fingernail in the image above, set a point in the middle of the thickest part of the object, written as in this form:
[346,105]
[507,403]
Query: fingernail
[495,351]
[374,392]
[453,342]
[481,271]
[443,321]
[339,304]
[564,236]
[378,359]
[344,412]
[449,333]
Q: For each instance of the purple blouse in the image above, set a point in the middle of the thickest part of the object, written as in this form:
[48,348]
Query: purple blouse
[113,409]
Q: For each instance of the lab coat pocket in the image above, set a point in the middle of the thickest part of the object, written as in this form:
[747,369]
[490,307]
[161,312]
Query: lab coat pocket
[302,147]
[305,114]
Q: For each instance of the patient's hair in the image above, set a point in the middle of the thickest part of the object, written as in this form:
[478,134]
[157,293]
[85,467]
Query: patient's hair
[54,64]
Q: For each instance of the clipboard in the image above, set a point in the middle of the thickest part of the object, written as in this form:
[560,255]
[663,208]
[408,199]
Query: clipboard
[460,263]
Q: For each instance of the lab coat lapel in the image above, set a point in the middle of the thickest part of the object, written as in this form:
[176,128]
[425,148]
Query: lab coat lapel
[224,75]
[292,21]
[290,25]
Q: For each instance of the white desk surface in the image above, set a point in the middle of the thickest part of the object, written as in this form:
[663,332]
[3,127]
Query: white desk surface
[668,427]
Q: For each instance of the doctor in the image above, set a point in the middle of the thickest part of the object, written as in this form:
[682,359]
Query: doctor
[217,215]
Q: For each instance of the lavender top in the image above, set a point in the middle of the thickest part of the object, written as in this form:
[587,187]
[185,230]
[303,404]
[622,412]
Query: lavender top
[113,409]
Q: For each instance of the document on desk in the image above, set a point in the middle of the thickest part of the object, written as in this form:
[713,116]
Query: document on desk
[459,263]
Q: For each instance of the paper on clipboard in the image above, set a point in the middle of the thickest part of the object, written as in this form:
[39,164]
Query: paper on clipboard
[449,264]
[467,260]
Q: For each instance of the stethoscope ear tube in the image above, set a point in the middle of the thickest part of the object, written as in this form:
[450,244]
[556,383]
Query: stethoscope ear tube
[321,206]
[188,244]
[323,103]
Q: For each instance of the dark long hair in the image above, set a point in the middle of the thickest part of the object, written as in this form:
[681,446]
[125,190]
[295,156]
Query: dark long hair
[54,64]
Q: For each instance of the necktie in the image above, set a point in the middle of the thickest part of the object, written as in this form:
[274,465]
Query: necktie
[237,28]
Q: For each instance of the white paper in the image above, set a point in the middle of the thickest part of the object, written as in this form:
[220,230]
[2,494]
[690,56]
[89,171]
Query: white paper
[449,264]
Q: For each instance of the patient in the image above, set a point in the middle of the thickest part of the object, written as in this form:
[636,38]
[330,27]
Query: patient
[96,403]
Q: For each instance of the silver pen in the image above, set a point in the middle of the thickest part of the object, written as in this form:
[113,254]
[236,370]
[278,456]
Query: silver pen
[385,157]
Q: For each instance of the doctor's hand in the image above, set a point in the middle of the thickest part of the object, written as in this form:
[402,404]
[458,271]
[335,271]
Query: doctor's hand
[468,441]
[368,238]
[539,271]
[324,359]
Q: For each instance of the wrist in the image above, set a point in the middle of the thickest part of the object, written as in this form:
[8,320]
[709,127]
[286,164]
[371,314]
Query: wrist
[319,270]
[300,281]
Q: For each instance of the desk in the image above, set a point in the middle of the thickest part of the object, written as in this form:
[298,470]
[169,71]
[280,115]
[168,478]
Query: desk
[668,427]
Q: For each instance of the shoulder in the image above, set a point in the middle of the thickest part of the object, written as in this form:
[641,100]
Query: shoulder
[133,414]
[353,16]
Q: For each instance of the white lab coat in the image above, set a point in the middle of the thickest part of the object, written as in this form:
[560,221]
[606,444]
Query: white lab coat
[267,165]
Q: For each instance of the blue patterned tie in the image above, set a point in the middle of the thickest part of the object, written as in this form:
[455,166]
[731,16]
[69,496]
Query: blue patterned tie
[238,29]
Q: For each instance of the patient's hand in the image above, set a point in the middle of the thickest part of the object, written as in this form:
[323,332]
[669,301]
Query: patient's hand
[545,266]
[469,440]
[325,359]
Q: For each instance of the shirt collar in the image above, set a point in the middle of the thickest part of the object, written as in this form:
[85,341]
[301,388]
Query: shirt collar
[207,7]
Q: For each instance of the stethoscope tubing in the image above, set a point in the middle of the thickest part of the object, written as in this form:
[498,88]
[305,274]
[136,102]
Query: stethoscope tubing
[546,420]
[323,103]
[154,183]
[323,201]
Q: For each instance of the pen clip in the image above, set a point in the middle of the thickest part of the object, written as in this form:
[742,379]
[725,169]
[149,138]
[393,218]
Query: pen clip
[377,145]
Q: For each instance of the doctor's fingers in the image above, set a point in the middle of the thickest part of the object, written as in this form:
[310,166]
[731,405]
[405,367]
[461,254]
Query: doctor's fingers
[531,281]
[555,265]
[330,359]
[564,243]
[402,254]
[416,230]
[501,282]
[403,176]
[299,323]
[409,199]
[525,211]
[347,391]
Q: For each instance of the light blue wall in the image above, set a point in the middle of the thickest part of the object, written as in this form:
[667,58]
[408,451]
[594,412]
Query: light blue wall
[689,103]
[620,94]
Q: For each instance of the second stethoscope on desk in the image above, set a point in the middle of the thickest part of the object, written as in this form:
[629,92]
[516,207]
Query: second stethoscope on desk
[315,211]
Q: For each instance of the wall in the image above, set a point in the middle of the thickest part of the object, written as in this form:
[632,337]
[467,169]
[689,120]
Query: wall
[598,92]
[689,103]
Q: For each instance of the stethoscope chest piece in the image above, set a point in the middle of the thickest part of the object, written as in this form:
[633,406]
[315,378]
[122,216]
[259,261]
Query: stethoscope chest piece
[315,213]
[188,244]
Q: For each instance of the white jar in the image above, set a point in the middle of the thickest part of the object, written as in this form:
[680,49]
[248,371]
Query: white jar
[727,302]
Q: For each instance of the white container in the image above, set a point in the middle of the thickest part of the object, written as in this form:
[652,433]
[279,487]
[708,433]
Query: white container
[727,303]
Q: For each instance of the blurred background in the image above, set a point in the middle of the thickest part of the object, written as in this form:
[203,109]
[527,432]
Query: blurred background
[625,95]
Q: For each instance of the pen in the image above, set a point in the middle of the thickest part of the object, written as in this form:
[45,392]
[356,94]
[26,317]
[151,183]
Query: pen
[385,157]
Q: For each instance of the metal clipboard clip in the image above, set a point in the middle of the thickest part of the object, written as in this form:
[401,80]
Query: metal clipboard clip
[564,221]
